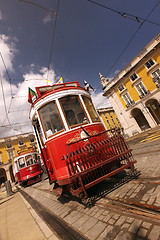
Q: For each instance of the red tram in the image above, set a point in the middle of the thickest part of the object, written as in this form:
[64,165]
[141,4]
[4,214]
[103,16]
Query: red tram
[76,149]
[26,166]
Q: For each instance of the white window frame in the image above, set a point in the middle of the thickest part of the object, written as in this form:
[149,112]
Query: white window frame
[10,154]
[122,87]
[156,76]
[151,59]
[141,89]
[9,144]
[21,141]
[137,77]
[128,100]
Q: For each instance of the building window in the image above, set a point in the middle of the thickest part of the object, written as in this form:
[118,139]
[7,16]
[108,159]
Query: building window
[31,140]
[8,145]
[156,76]
[134,76]
[21,143]
[150,63]
[112,119]
[141,89]
[127,100]
[121,88]
[108,122]
[10,155]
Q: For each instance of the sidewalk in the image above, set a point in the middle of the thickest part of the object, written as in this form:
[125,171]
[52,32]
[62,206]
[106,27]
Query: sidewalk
[18,221]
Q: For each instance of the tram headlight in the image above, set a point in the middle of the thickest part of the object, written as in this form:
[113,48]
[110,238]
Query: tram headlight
[83,135]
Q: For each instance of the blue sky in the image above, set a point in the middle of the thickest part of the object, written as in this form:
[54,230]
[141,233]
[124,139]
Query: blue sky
[88,40]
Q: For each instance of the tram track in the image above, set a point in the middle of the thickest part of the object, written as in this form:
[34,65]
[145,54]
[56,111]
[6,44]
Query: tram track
[133,209]
[60,221]
[146,152]
[147,180]
[120,206]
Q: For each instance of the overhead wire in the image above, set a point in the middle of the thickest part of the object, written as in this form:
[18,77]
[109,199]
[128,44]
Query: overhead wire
[49,64]
[12,96]
[4,101]
[130,40]
[37,5]
[19,124]
[20,110]
[54,28]
[53,37]
[9,78]
[8,111]
[26,122]
[124,14]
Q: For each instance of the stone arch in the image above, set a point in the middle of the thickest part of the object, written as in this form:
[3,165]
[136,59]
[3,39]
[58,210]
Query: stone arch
[3,175]
[154,109]
[139,117]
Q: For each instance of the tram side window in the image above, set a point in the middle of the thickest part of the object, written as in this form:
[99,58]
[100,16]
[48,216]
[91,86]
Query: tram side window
[21,162]
[73,110]
[29,160]
[35,158]
[91,110]
[50,119]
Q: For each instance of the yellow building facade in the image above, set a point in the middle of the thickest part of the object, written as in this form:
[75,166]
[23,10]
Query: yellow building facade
[10,145]
[109,118]
[134,92]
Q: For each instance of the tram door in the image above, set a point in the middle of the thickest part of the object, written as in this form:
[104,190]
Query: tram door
[43,151]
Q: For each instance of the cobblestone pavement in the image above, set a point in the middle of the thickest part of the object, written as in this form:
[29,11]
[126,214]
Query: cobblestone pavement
[108,220]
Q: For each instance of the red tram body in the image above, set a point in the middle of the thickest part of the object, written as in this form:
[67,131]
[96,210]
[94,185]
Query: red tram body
[76,149]
[26,166]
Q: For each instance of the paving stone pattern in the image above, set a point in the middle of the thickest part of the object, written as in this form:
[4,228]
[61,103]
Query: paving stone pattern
[96,223]
[107,224]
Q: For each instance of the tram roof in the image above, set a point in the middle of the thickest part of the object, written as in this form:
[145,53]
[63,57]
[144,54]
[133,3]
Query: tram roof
[42,90]
[25,151]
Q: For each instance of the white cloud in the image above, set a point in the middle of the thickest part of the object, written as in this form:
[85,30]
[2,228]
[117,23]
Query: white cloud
[47,18]
[99,100]
[17,120]
[7,50]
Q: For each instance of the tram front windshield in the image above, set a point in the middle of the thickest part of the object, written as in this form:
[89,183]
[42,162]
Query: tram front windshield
[50,119]
[73,110]
[27,160]
[90,108]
